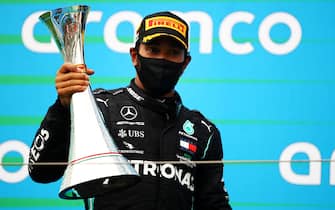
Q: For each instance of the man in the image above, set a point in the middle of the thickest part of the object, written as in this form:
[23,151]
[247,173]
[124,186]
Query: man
[166,129]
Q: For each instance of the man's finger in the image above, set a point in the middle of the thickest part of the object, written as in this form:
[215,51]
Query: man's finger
[69,67]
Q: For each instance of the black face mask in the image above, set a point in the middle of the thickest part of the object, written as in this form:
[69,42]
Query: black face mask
[159,76]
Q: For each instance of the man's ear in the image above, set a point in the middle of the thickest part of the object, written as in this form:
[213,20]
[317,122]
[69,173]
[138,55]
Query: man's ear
[188,59]
[133,56]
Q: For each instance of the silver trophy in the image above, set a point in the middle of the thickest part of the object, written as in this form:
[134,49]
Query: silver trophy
[95,165]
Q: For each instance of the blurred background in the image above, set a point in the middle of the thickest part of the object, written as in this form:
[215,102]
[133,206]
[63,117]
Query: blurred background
[263,71]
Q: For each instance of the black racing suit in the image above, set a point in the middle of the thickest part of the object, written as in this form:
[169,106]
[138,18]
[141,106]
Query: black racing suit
[145,130]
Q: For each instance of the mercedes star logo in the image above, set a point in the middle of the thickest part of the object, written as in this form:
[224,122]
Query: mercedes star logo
[128,112]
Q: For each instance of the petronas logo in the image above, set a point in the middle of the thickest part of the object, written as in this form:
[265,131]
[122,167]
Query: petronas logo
[188,127]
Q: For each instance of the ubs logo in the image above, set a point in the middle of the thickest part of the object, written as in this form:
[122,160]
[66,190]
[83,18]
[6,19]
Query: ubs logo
[128,112]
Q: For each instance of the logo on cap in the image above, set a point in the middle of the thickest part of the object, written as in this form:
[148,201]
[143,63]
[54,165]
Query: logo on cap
[166,22]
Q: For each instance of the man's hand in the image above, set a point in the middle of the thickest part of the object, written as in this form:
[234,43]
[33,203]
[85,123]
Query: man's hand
[70,79]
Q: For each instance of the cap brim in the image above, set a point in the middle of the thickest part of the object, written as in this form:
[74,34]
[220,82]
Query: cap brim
[149,38]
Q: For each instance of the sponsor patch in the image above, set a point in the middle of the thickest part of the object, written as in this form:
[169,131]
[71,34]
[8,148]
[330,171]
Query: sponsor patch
[123,133]
[128,112]
[165,22]
[188,127]
[188,146]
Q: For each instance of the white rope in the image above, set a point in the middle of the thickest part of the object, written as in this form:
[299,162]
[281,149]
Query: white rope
[179,162]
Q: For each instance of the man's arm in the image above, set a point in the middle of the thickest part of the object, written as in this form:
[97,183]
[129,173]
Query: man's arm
[50,145]
[210,192]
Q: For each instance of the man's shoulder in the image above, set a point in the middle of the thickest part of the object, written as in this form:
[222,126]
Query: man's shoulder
[199,117]
[194,113]
[109,93]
